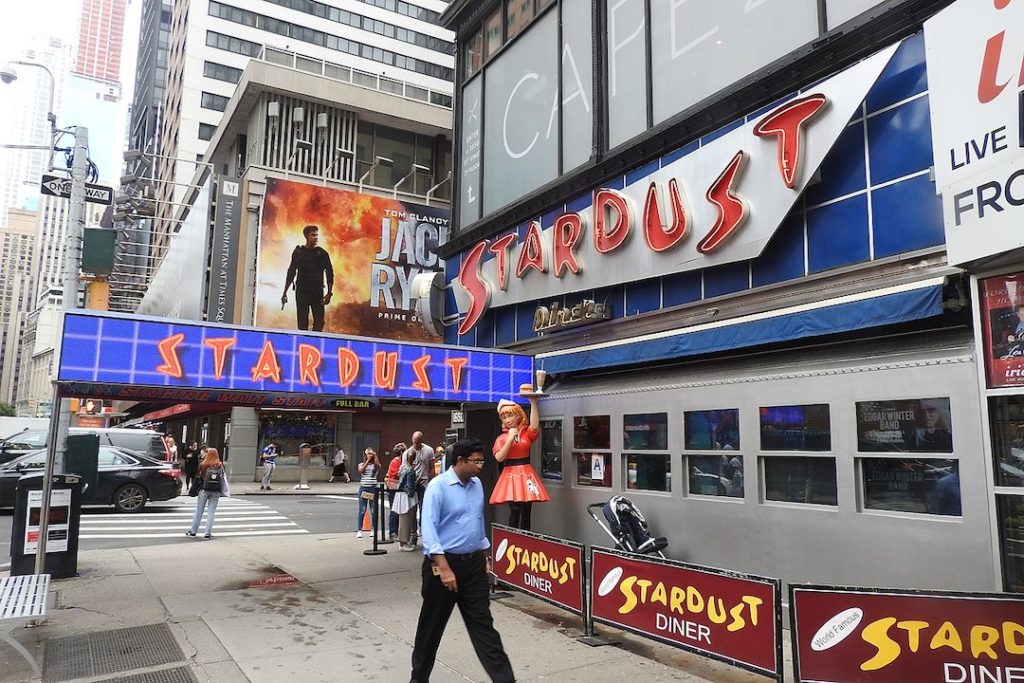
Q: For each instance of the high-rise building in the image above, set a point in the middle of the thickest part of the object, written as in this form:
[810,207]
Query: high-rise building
[133,253]
[17,242]
[394,46]
[100,34]
[150,75]
[50,238]
[23,119]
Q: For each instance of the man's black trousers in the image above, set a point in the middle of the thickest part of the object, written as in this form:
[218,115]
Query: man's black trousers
[475,606]
[307,300]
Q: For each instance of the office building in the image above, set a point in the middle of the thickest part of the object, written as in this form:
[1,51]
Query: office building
[17,245]
[100,34]
[397,46]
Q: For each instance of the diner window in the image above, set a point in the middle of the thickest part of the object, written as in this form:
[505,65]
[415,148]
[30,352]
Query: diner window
[474,56]
[593,469]
[712,430]
[715,475]
[551,449]
[493,35]
[806,480]
[796,428]
[648,471]
[1010,513]
[645,431]
[592,431]
[927,486]
[919,425]
[518,14]
[1006,414]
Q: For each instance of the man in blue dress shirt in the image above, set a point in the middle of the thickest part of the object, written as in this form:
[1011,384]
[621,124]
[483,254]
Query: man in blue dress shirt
[456,566]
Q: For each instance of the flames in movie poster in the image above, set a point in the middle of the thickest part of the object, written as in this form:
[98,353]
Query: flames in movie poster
[377,245]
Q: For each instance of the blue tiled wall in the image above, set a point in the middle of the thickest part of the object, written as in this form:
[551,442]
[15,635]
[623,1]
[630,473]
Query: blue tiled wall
[874,200]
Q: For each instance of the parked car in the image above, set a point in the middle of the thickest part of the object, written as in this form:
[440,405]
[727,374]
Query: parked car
[142,440]
[127,479]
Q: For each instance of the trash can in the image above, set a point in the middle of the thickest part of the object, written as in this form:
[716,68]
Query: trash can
[62,536]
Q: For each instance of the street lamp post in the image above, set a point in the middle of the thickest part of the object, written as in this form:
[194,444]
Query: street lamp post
[9,75]
[59,418]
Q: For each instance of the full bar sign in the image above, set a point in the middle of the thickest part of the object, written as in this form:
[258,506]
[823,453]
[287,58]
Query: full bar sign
[225,251]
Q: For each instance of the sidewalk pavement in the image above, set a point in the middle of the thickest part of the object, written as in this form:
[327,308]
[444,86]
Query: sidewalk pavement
[288,488]
[300,609]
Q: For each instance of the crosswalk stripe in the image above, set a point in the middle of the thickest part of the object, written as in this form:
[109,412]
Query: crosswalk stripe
[128,519]
[218,525]
[269,532]
[186,520]
[237,518]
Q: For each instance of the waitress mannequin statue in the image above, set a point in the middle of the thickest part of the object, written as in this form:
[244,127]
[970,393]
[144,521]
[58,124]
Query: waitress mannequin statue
[518,485]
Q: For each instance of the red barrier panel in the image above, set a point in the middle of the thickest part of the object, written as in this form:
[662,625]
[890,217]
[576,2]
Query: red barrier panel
[735,618]
[868,635]
[546,567]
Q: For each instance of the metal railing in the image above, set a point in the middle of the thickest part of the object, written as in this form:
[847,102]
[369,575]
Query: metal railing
[347,74]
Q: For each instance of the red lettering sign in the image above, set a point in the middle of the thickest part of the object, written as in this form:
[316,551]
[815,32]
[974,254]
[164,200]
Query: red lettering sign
[549,568]
[613,216]
[725,616]
[874,635]
[220,347]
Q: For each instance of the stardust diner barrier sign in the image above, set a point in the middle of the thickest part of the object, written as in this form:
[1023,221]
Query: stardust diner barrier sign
[731,617]
[179,357]
[546,567]
[868,635]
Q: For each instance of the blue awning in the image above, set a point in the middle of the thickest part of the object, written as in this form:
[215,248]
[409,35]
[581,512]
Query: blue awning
[844,314]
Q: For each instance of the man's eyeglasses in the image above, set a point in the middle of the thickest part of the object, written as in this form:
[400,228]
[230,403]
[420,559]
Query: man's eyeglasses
[476,461]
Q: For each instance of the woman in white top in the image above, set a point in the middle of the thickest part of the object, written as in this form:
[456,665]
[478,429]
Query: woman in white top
[368,469]
[340,469]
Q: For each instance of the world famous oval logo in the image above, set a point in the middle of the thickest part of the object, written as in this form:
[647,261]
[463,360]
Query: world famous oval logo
[610,581]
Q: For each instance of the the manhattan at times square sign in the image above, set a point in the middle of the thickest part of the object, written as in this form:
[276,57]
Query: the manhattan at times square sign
[183,361]
[975,56]
[719,204]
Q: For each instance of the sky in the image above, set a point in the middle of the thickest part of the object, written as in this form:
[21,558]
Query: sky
[25,20]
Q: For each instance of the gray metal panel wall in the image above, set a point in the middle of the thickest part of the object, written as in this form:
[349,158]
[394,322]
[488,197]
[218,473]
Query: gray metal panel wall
[797,543]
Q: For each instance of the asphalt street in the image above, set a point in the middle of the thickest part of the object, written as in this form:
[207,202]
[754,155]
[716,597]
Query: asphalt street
[241,515]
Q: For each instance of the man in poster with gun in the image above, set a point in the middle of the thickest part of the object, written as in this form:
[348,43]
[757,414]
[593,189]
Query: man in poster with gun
[309,267]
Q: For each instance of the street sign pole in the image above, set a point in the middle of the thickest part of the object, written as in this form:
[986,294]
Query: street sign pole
[60,419]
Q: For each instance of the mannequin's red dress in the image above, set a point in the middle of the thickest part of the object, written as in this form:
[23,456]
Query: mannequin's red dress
[518,482]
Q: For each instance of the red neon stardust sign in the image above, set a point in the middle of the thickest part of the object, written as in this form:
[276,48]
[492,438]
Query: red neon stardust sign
[614,222]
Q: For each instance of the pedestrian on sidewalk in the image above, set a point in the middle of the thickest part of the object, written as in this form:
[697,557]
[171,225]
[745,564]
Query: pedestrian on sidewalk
[391,484]
[269,460]
[424,468]
[340,463]
[456,566]
[190,467]
[368,469]
[215,484]
[405,503]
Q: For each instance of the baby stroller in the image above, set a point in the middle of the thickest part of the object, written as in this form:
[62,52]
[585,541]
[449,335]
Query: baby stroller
[627,527]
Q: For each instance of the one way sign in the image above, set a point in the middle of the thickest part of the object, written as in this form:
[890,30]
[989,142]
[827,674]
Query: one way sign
[56,186]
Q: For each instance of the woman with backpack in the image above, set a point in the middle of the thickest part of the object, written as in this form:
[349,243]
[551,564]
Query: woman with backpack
[213,484]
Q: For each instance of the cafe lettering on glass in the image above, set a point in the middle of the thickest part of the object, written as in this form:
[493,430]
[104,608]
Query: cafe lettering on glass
[868,635]
[731,617]
[118,351]
[543,566]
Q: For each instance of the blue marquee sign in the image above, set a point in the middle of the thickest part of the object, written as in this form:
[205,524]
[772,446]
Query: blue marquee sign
[171,354]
